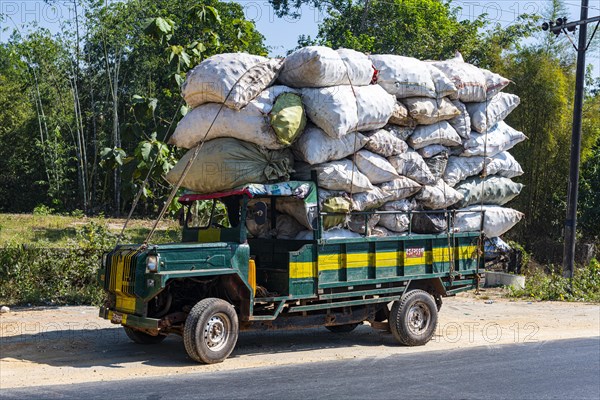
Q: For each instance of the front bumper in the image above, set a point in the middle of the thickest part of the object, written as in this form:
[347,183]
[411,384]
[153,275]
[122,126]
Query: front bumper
[133,321]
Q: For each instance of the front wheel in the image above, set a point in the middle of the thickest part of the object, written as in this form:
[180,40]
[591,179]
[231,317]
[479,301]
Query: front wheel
[413,318]
[142,337]
[211,331]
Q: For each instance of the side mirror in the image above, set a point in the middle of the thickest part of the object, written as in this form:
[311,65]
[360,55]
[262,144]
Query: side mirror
[260,213]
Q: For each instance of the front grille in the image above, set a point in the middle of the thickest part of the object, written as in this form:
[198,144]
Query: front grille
[120,277]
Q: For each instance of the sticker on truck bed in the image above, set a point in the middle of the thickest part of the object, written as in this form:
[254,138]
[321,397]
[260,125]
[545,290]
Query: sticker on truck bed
[415,252]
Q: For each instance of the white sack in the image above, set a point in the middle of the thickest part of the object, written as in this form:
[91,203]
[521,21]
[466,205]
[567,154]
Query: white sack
[497,109]
[401,132]
[503,164]
[439,133]
[427,111]
[250,124]
[500,138]
[376,168]
[380,231]
[438,196]
[473,84]
[496,222]
[397,222]
[400,116]
[460,168]
[403,76]
[432,150]
[330,234]
[339,175]
[315,147]
[356,223]
[411,165]
[444,86]
[369,200]
[385,143]
[462,122]
[337,111]
[232,78]
[320,66]
[400,188]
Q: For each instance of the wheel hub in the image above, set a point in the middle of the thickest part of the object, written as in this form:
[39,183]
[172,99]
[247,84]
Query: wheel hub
[418,318]
[216,332]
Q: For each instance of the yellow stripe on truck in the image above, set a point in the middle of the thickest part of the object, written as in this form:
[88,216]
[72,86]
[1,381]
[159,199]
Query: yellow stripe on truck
[332,262]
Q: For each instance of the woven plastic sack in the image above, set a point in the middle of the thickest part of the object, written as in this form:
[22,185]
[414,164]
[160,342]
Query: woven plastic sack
[286,227]
[500,138]
[380,231]
[385,143]
[231,78]
[487,114]
[432,150]
[438,196]
[340,205]
[330,234]
[315,147]
[429,223]
[362,223]
[439,133]
[401,132]
[427,111]
[287,118]
[400,188]
[375,167]
[338,111]
[369,200]
[411,165]
[295,207]
[437,164]
[225,163]
[503,164]
[497,220]
[444,86]
[342,175]
[473,84]
[400,116]
[491,190]
[462,122]
[252,123]
[403,76]
[460,168]
[397,222]
[319,66]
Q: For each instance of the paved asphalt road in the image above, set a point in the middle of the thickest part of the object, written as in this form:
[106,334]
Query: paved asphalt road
[568,369]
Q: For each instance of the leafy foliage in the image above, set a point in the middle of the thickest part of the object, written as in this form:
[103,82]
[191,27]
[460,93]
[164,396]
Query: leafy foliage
[540,285]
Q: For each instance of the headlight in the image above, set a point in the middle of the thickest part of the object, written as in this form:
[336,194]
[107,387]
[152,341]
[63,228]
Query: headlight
[152,263]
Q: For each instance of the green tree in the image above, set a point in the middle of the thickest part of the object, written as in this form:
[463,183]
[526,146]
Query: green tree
[425,28]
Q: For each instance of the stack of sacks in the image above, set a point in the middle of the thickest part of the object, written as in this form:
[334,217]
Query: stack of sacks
[241,120]
[384,132]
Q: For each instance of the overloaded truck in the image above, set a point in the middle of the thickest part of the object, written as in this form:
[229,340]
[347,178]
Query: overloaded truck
[219,280]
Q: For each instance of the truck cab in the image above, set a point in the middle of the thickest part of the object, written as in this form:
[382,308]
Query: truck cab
[222,279]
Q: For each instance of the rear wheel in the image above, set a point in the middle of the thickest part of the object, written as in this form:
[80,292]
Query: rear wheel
[142,337]
[413,318]
[211,331]
[342,328]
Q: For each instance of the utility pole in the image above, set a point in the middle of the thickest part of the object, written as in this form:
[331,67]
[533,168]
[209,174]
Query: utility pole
[562,26]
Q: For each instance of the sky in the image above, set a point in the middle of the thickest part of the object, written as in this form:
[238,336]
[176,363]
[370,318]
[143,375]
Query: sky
[281,34]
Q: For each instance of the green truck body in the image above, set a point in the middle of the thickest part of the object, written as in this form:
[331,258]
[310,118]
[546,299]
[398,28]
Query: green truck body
[218,280]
